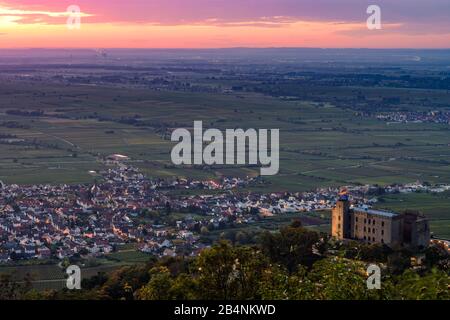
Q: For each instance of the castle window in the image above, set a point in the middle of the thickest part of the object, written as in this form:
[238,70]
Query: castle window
[373,238]
[369,221]
[373,230]
[368,230]
[382,223]
[382,232]
[373,222]
[365,221]
[339,225]
[364,229]
[356,219]
[339,218]
[382,241]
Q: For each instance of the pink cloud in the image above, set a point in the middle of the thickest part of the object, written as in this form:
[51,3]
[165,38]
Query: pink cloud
[403,19]
[195,11]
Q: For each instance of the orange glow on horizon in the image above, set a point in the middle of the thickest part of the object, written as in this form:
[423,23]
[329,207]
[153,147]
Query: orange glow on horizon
[20,28]
[300,34]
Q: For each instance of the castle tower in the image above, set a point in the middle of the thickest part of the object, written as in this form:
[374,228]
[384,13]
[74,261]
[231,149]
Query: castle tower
[341,219]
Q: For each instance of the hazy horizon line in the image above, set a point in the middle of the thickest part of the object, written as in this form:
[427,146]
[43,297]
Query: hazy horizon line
[220,48]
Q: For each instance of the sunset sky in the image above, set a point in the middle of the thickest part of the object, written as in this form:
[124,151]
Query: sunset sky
[224,23]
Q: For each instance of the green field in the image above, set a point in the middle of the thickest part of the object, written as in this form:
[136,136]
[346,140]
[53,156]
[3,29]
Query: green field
[435,206]
[52,276]
[321,145]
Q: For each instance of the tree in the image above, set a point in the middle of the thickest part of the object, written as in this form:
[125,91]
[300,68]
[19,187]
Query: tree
[278,284]
[437,256]
[94,282]
[158,288]
[204,230]
[168,208]
[398,262]
[11,289]
[337,278]
[431,286]
[185,287]
[290,247]
[374,252]
[226,272]
[122,283]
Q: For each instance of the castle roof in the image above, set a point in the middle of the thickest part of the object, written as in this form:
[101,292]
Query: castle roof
[383,213]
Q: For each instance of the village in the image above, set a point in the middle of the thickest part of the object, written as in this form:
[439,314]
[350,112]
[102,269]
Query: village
[440,117]
[48,222]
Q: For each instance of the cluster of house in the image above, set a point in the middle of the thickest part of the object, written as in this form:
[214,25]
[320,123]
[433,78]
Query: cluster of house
[60,221]
[416,117]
